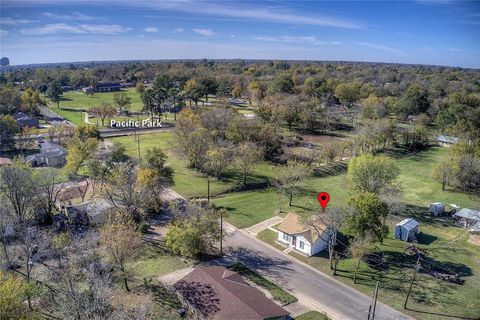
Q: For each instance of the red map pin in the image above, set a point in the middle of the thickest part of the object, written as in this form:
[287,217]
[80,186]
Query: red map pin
[323,199]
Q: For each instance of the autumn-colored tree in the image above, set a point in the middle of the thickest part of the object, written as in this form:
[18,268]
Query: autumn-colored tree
[288,178]
[122,242]
[104,111]
[246,155]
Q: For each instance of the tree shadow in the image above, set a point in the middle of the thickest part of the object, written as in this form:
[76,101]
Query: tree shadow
[202,296]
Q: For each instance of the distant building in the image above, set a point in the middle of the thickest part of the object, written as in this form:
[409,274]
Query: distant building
[406,230]
[218,293]
[50,155]
[446,141]
[24,120]
[308,240]
[107,87]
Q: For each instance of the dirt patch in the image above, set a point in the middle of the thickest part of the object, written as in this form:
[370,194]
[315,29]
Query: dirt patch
[475,239]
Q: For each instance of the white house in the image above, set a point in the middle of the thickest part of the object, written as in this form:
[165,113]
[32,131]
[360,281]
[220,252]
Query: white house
[308,240]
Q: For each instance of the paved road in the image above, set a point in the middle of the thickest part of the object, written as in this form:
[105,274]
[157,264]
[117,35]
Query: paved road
[312,287]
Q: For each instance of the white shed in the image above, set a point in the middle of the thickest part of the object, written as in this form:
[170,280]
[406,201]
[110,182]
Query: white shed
[406,230]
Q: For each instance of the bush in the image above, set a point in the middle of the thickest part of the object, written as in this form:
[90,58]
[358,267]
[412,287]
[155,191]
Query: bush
[143,227]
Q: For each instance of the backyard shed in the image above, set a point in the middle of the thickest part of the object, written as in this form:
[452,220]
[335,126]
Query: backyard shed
[406,230]
[436,209]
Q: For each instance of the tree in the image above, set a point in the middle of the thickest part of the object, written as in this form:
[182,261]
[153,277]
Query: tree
[47,192]
[357,249]
[373,108]
[156,160]
[246,155]
[26,138]
[127,191]
[13,291]
[209,86]
[31,100]
[8,129]
[414,101]
[348,93]
[282,83]
[79,152]
[375,174]
[289,177]
[139,87]
[330,221]
[18,187]
[194,232]
[123,102]
[122,242]
[104,111]
[217,159]
[367,217]
[54,92]
[193,91]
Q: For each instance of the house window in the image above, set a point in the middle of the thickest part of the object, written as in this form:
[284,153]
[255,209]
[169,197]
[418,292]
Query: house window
[302,245]
[286,237]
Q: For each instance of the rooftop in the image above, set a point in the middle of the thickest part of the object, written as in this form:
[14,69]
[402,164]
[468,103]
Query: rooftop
[293,224]
[408,223]
[468,214]
[218,293]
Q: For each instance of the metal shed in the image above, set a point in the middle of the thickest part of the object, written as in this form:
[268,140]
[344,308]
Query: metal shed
[406,230]
[437,209]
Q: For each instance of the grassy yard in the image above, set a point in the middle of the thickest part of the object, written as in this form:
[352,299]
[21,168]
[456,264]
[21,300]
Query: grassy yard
[79,100]
[277,293]
[312,315]
[270,237]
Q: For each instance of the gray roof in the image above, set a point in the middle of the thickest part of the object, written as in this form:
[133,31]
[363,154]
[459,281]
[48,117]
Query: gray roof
[408,223]
[447,139]
[468,214]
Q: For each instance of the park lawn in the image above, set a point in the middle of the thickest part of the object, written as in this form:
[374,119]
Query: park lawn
[312,315]
[75,117]
[277,293]
[79,100]
[187,182]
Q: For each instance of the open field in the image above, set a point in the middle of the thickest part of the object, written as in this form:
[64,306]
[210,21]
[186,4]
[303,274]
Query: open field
[80,100]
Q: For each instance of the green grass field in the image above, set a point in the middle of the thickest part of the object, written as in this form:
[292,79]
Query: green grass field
[79,100]
[312,315]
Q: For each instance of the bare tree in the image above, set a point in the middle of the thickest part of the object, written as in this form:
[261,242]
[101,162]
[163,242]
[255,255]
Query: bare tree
[6,231]
[328,223]
[47,191]
[18,187]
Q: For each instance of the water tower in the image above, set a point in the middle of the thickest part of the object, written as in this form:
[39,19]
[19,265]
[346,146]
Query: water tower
[4,63]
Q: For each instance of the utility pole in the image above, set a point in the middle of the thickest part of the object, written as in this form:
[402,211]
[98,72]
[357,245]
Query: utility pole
[221,232]
[417,267]
[375,301]
[373,305]
[208,190]
[138,146]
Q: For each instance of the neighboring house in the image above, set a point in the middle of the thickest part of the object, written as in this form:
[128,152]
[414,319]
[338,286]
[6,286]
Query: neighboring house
[5,161]
[446,141]
[24,120]
[50,155]
[218,293]
[306,239]
[467,217]
[73,193]
[406,230]
[107,87]
[437,209]
[95,212]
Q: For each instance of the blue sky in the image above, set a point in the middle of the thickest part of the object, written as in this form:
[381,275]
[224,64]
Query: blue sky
[440,32]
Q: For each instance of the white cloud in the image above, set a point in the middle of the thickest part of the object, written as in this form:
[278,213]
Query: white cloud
[84,28]
[11,21]
[203,32]
[297,39]
[72,16]
[264,14]
[178,30]
[151,29]
[3,33]
[381,47]
[454,50]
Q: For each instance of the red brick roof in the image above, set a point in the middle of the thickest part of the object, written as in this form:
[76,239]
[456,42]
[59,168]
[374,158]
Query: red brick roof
[218,293]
